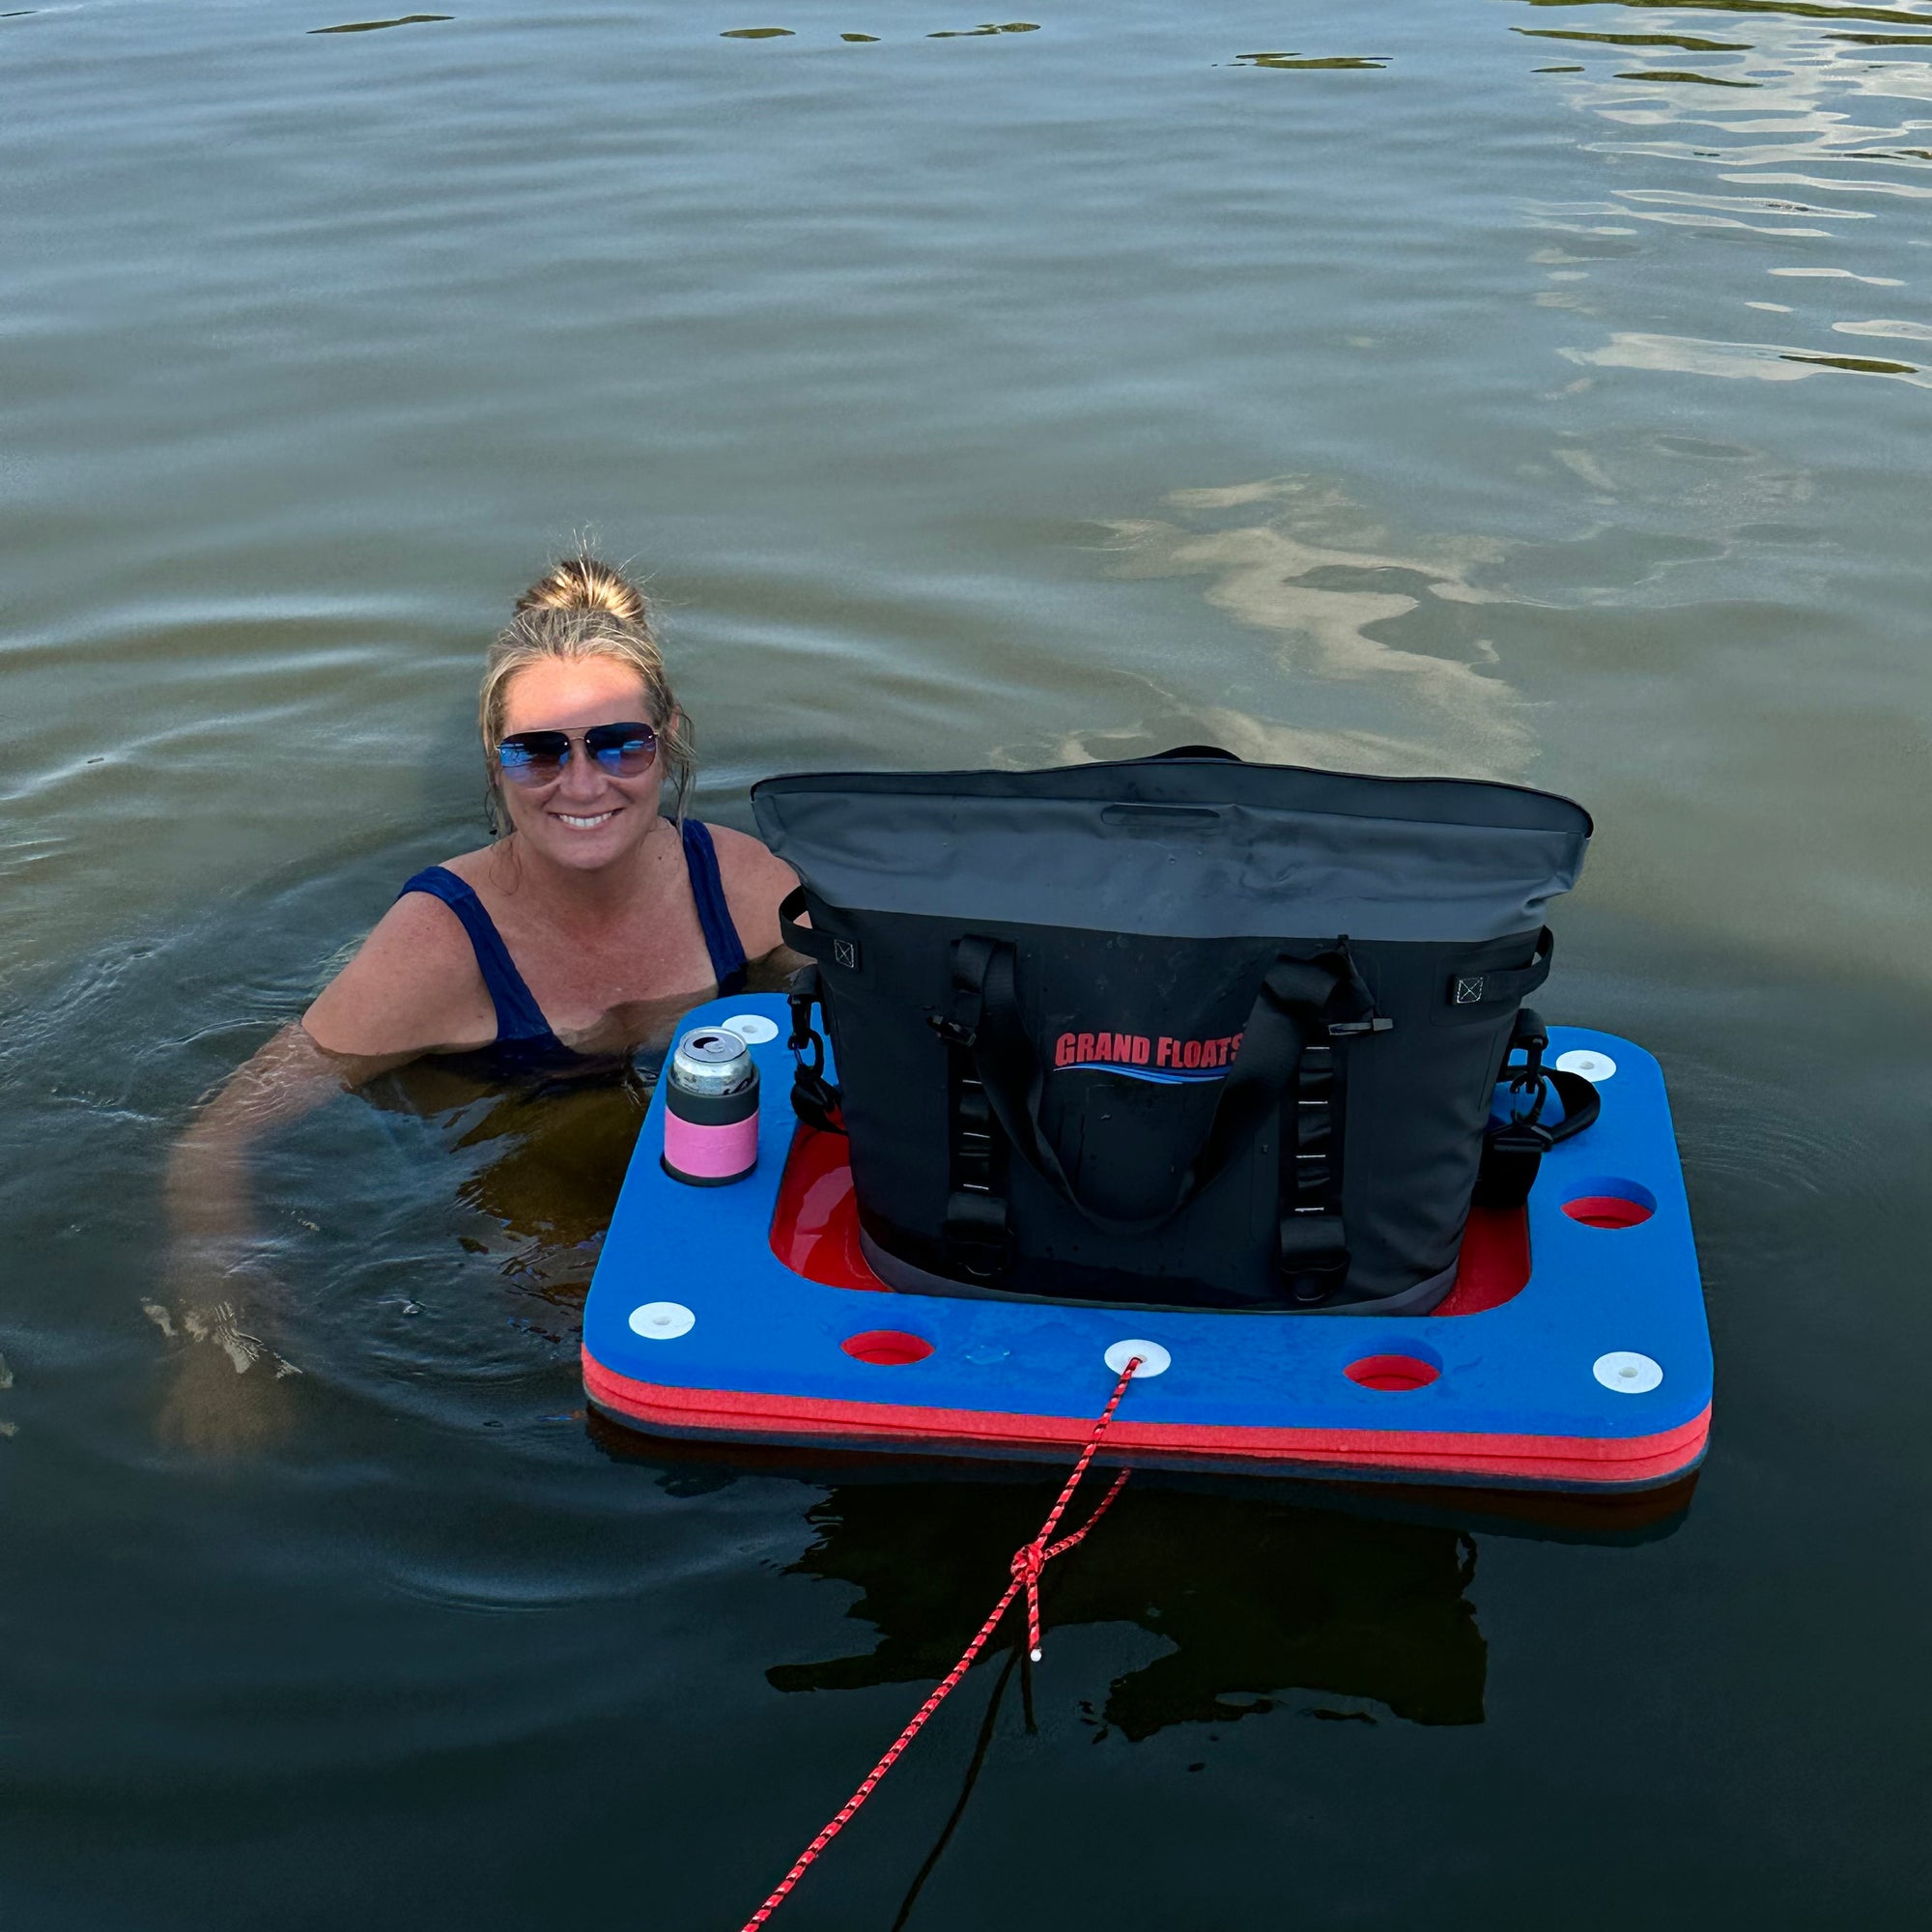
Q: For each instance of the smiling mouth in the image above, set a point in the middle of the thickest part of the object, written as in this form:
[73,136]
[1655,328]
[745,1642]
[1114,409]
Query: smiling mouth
[581,824]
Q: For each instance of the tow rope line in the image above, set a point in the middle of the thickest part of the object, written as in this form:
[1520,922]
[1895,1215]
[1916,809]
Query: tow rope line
[1028,1561]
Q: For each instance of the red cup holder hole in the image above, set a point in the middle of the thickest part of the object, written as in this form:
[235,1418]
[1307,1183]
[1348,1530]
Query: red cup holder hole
[1392,1372]
[887,1348]
[1606,1211]
[1609,1200]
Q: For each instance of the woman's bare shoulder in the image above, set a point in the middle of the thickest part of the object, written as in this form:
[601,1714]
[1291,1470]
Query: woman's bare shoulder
[413,986]
[472,868]
[739,853]
[754,879]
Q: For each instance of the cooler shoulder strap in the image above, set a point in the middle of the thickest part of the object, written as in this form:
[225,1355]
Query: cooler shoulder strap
[1513,1150]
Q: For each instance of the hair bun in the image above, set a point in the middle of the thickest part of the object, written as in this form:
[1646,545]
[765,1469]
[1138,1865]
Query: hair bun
[581,582]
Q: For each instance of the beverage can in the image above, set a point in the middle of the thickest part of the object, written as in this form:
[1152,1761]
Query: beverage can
[711,1109]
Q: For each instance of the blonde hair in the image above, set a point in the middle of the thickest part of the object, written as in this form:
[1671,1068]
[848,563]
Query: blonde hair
[582,609]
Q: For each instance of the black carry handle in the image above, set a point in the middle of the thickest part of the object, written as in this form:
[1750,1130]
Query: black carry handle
[1488,988]
[807,941]
[1293,1008]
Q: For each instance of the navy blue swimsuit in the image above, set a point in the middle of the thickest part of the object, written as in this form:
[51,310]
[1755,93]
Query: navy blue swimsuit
[524,1037]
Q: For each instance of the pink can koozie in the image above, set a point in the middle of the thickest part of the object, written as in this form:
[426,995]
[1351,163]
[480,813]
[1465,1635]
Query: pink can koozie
[711,1109]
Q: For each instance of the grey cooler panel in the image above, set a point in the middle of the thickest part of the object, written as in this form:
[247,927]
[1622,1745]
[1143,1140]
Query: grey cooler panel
[1185,848]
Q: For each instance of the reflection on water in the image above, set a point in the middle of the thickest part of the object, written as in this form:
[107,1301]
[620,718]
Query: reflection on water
[1758,362]
[373,26]
[1686,42]
[943,34]
[1298,61]
[1256,1603]
[1344,598]
[1903,331]
[1682,75]
[550,1166]
[1793,9]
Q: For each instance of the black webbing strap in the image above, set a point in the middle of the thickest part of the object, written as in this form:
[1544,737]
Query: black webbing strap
[975,1227]
[1314,1248]
[802,939]
[1300,1004]
[825,948]
[1483,989]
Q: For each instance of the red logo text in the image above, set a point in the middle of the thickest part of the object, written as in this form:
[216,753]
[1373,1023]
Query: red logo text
[1139,1049]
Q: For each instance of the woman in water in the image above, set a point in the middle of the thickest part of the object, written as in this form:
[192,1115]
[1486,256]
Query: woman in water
[597,917]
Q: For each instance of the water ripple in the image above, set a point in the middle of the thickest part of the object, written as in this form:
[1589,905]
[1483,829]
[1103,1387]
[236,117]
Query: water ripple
[375,26]
[1755,361]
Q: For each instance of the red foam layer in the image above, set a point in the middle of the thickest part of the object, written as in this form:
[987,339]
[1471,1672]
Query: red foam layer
[1574,1461]
[815,1232]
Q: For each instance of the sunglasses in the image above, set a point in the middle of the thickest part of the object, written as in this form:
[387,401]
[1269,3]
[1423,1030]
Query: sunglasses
[538,758]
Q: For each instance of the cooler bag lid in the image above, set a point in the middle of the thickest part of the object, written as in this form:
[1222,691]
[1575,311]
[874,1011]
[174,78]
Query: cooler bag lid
[1190,845]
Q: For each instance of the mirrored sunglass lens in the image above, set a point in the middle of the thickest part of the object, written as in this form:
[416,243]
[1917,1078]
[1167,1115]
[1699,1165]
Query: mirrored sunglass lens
[533,757]
[624,749]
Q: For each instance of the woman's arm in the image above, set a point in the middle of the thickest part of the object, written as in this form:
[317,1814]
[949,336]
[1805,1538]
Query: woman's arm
[216,1301]
[413,987]
[207,1184]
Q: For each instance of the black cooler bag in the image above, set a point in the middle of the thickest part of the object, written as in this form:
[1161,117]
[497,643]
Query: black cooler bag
[1175,1031]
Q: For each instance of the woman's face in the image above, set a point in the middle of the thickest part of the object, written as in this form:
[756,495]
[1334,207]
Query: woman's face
[586,818]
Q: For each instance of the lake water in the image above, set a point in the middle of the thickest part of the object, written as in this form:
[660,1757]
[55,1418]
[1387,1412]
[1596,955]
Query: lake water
[1536,390]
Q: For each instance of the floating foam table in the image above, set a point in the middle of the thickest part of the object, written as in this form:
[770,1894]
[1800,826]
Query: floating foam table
[1572,1354]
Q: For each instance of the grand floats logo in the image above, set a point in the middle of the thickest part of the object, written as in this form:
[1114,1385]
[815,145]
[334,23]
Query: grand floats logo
[1144,1056]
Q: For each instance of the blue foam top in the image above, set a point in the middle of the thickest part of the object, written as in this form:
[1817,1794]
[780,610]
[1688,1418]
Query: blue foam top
[1524,1368]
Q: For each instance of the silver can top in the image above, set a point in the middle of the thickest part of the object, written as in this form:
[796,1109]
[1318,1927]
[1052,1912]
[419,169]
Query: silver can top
[712,1061]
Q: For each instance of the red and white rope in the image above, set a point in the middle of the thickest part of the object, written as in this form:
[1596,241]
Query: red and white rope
[1029,1560]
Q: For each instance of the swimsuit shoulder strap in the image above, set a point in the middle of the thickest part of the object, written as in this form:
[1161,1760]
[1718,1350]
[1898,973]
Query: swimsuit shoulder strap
[714,916]
[519,1017]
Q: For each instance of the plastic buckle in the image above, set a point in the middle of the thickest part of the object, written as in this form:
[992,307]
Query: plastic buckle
[1524,1137]
[1348,1028]
[952,1032]
[805,990]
